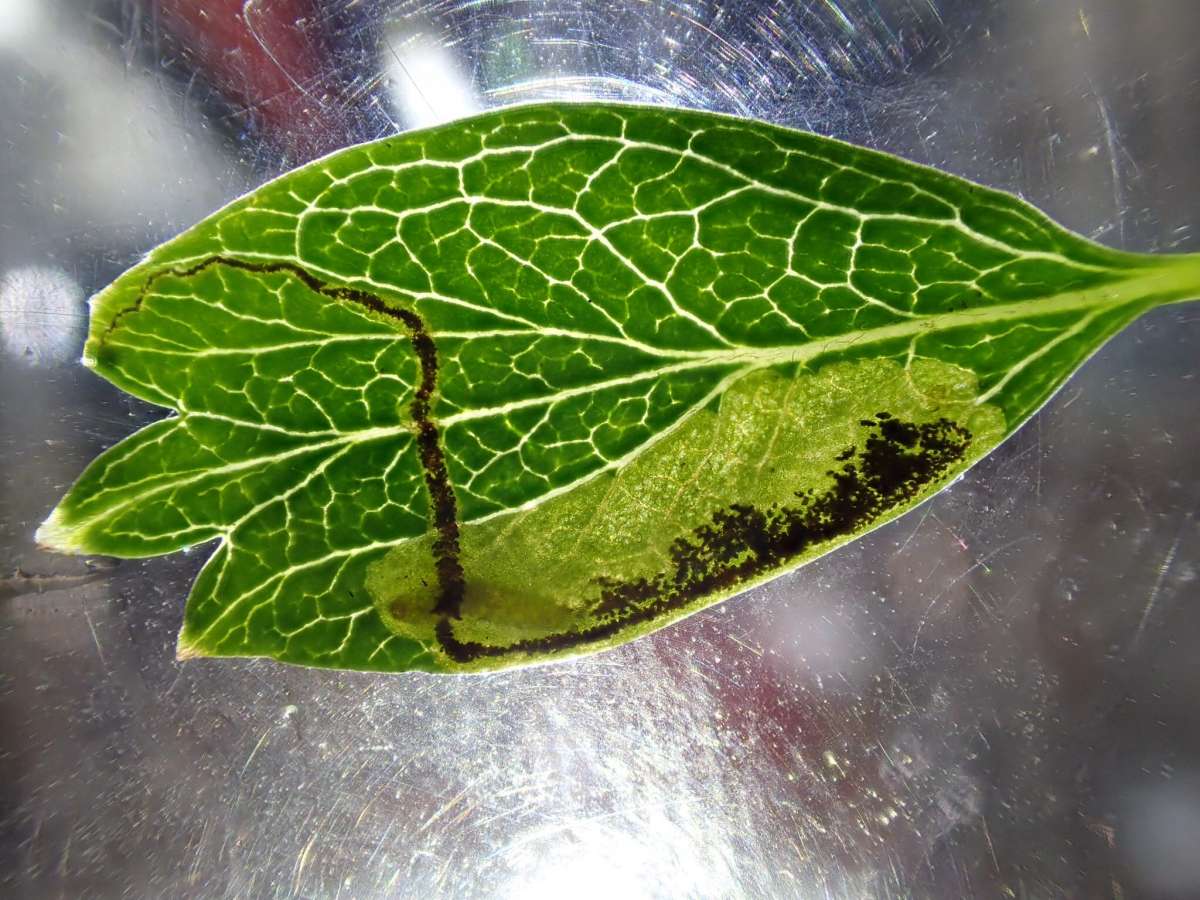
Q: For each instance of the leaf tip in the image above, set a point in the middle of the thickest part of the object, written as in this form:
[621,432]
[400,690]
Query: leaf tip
[54,534]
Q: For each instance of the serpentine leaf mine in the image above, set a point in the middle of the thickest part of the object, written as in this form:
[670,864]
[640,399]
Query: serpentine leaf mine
[537,382]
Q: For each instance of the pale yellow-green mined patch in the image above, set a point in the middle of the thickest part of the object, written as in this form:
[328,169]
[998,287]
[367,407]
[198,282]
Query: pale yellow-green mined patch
[539,573]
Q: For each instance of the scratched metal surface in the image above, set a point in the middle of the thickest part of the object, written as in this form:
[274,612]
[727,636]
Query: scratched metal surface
[993,696]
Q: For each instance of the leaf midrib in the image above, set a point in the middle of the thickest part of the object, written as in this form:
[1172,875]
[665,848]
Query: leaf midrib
[752,358]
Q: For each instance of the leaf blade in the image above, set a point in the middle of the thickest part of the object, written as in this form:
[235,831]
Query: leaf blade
[595,284]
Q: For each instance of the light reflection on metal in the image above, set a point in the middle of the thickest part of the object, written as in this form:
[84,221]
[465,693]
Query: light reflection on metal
[426,82]
[594,860]
[19,20]
[583,87]
[41,315]
[107,146]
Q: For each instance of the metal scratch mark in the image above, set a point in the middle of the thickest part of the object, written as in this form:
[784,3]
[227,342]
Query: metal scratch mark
[991,847]
[978,564]
[755,650]
[1163,569]
[249,6]
[913,533]
[1113,146]
[249,759]
[95,637]
[962,545]
[64,861]
[302,862]
[407,74]
[450,804]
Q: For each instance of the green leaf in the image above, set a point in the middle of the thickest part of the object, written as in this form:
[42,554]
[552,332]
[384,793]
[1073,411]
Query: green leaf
[537,382]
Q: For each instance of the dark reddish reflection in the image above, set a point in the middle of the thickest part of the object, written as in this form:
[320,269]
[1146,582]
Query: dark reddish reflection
[268,59]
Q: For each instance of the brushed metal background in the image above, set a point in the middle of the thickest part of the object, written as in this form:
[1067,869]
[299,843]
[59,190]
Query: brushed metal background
[993,696]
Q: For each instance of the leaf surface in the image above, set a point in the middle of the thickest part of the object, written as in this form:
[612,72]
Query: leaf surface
[537,382]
